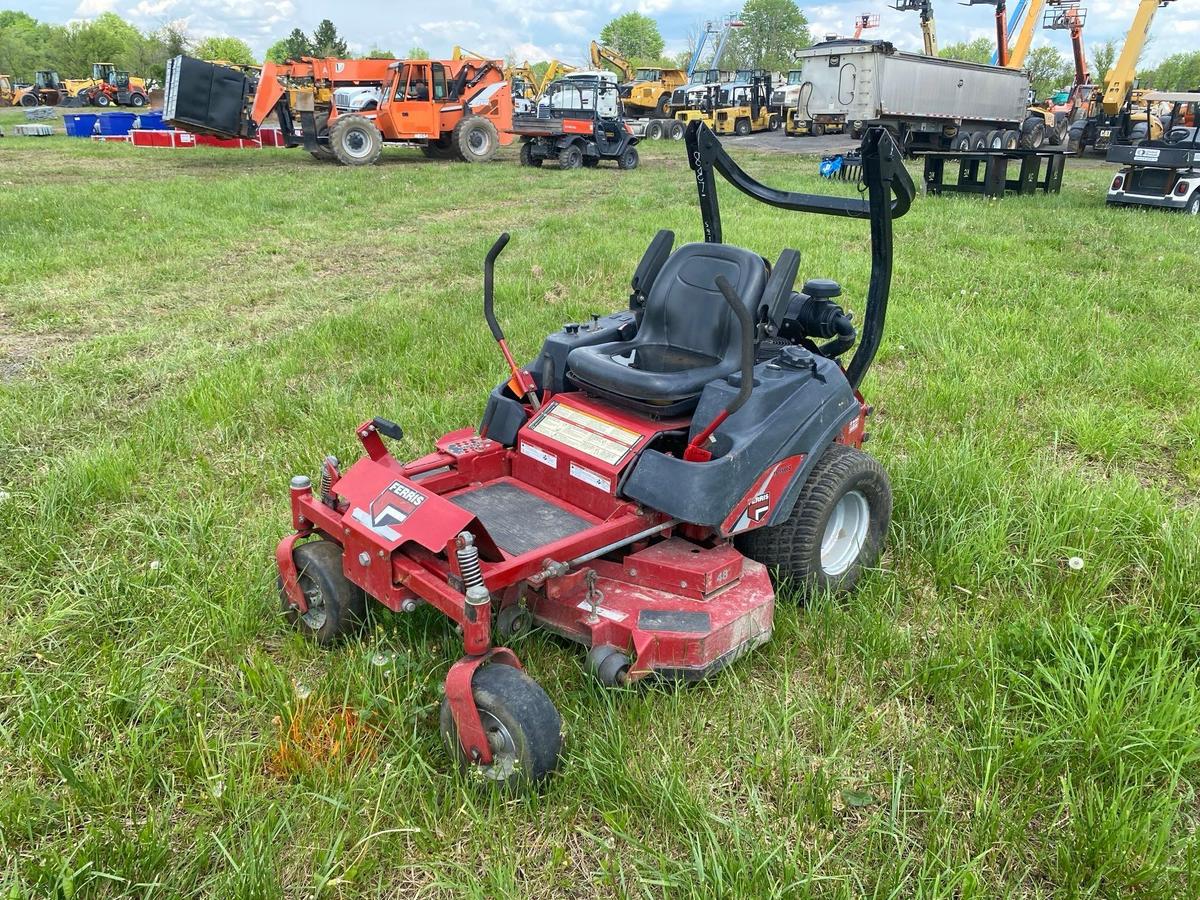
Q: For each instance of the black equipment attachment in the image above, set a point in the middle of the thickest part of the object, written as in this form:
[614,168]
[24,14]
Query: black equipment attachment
[890,192]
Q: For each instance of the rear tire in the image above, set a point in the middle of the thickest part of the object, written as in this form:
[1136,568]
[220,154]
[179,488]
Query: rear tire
[475,139]
[1011,140]
[102,100]
[837,528]
[570,157]
[527,157]
[676,131]
[355,141]
[29,100]
[978,141]
[741,127]
[524,729]
[772,123]
[1193,207]
[628,159]
[994,139]
[816,129]
[337,608]
[654,131]
[961,141]
[138,100]
[662,109]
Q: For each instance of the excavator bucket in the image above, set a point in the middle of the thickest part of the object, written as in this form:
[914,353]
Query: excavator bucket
[205,98]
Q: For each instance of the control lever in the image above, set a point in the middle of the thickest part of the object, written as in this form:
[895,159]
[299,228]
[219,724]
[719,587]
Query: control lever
[521,383]
[696,451]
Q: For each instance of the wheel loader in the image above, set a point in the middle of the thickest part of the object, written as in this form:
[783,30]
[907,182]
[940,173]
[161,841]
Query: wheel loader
[450,108]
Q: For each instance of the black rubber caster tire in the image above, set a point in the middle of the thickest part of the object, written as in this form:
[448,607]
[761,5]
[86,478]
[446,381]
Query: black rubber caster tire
[337,607]
[513,621]
[523,727]
[608,665]
[793,548]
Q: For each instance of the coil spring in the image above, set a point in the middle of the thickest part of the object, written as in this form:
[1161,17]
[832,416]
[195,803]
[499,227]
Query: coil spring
[328,466]
[468,561]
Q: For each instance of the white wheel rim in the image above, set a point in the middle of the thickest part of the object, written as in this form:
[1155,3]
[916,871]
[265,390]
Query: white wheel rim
[478,141]
[845,533]
[315,618]
[503,747]
[356,144]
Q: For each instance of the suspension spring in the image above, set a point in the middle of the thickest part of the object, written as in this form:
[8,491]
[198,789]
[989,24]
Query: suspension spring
[468,560]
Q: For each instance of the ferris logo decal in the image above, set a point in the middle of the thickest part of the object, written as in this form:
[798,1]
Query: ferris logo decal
[394,505]
[758,507]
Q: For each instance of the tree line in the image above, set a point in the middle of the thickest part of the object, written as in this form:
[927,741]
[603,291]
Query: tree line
[28,45]
[771,32]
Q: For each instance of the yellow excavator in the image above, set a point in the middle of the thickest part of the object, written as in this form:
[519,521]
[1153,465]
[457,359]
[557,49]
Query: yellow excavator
[644,91]
[1116,114]
[928,28]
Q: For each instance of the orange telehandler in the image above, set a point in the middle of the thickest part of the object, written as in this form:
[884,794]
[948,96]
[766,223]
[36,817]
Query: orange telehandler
[450,108]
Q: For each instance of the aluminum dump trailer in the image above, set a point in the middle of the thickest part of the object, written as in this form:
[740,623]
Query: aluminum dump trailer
[924,100]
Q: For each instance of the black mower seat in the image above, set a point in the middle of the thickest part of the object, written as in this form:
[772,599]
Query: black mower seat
[688,336]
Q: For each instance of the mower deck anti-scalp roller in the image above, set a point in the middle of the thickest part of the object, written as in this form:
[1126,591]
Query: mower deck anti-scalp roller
[633,488]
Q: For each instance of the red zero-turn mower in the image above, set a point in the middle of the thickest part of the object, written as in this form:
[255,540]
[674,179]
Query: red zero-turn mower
[631,487]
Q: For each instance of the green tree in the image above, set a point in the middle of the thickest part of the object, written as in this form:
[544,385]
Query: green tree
[635,36]
[1180,72]
[24,44]
[1103,56]
[277,52]
[979,50]
[327,42]
[771,33]
[415,52]
[295,45]
[376,53]
[230,49]
[1048,70]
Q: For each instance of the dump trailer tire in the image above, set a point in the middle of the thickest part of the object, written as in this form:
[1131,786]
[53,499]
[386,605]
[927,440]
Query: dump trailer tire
[475,139]
[979,141]
[836,530]
[1011,140]
[961,141]
[654,131]
[995,139]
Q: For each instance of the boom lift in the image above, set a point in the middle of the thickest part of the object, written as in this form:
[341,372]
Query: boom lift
[450,108]
[928,29]
[1114,115]
[696,94]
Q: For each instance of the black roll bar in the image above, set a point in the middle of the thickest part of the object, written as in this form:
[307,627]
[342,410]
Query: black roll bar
[890,192]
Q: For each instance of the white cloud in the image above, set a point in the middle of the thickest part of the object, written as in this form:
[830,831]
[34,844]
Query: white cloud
[88,9]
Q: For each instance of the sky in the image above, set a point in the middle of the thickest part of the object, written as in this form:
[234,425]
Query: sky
[561,29]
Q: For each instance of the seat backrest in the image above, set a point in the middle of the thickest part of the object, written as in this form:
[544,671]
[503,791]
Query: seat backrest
[685,309]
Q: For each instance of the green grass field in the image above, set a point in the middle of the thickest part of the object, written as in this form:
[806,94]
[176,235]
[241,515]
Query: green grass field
[182,331]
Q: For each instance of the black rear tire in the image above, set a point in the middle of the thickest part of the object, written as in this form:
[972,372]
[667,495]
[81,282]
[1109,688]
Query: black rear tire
[355,141]
[475,139]
[523,727]
[843,479]
[978,141]
[29,100]
[961,141]
[337,607]
[773,123]
[662,109]
[994,140]
[324,152]
[654,131]
[570,157]
[527,157]
[1033,133]
[741,127]
[1011,140]
[628,159]
[102,100]
[137,100]
[816,129]
[676,130]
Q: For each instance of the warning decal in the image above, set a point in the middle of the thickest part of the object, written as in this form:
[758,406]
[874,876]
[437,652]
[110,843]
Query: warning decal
[598,438]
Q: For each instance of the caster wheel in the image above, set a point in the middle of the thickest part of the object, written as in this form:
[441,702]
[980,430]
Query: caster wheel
[609,665]
[337,609]
[523,728]
[513,621]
